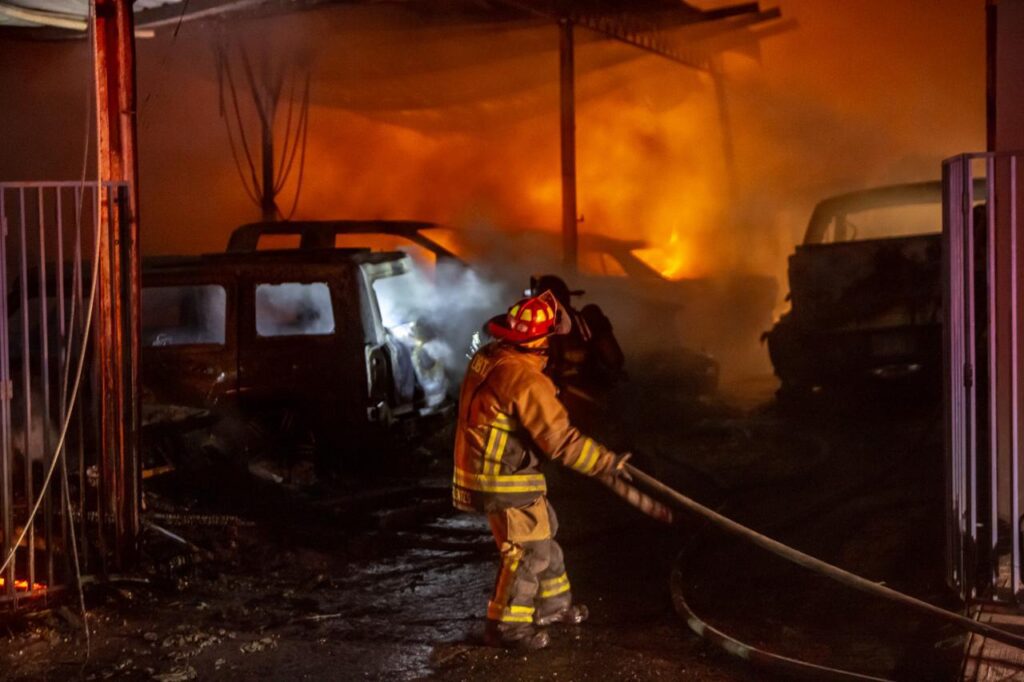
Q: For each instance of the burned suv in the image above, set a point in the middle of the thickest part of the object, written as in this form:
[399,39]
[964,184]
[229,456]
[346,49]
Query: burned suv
[287,332]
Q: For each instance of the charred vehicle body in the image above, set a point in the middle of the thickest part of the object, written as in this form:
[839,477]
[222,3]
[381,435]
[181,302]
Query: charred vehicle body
[287,332]
[675,316]
[862,310]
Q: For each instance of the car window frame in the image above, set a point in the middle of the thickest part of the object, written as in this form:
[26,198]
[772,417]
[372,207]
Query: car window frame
[229,305]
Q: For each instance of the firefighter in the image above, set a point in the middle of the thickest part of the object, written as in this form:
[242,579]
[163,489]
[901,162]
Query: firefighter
[509,418]
[588,356]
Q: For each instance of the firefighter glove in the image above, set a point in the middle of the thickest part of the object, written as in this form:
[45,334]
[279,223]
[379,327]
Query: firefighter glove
[619,466]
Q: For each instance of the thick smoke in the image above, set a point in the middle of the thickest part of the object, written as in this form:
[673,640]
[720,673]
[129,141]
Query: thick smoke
[457,122]
[178,315]
[450,305]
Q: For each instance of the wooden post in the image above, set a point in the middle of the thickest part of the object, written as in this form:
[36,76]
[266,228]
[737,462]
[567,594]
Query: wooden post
[117,314]
[570,239]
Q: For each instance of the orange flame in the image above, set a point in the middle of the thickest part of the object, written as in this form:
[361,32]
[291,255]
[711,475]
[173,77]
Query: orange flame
[674,259]
[22,585]
[460,126]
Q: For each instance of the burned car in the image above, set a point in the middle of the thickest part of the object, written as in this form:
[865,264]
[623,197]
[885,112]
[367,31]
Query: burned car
[389,235]
[675,317]
[287,332]
[864,310]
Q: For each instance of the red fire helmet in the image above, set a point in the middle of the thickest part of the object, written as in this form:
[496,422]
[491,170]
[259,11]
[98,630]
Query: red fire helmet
[530,319]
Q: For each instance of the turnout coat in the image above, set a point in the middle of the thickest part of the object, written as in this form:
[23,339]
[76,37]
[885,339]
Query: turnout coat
[509,418]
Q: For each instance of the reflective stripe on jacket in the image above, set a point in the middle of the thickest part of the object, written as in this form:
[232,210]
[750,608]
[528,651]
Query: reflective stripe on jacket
[509,417]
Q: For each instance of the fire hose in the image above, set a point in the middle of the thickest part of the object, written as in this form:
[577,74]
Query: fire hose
[653,508]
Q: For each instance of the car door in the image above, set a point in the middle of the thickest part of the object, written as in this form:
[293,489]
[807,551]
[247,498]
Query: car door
[293,351]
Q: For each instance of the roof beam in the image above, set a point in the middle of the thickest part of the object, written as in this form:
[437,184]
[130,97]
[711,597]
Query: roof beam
[172,15]
[649,41]
[649,37]
[44,18]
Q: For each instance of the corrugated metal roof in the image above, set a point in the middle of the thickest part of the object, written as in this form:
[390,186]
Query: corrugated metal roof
[630,17]
[66,14]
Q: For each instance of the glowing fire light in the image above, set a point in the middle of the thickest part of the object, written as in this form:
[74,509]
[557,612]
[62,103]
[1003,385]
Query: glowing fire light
[22,585]
[673,259]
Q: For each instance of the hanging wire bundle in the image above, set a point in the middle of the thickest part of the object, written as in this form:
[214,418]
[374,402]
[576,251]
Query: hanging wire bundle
[266,86]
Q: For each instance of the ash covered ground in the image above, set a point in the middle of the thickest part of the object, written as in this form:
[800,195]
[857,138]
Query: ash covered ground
[378,578]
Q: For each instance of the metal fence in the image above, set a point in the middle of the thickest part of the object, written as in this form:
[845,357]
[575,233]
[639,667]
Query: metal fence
[981,245]
[48,244]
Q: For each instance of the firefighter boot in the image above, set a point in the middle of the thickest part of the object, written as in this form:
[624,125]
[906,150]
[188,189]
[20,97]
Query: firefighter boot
[527,638]
[570,615]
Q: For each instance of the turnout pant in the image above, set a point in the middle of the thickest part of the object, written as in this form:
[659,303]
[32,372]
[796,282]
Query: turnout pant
[531,582]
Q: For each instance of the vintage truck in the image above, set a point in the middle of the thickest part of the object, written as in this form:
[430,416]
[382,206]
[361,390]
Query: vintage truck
[298,333]
[864,311]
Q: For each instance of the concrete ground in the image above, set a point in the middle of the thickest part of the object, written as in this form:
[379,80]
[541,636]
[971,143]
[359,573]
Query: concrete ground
[382,580]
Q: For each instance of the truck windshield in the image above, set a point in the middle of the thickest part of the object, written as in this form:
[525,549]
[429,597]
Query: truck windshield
[881,223]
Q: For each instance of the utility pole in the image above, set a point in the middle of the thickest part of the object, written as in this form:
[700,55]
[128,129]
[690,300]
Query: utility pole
[116,326]
[570,237]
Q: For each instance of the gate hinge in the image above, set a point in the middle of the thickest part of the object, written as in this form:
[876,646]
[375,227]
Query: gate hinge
[968,375]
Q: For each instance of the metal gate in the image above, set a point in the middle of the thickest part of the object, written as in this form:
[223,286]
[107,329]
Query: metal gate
[981,249]
[48,245]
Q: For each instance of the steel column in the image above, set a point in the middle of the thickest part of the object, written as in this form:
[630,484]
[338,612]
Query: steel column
[117,343]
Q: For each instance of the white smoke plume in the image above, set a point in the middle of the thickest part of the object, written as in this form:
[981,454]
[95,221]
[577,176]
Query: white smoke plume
[450,304]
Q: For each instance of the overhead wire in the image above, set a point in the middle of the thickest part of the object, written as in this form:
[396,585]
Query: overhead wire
[290,139]
[252,190]
[265,100]
[302,159]
[65,398]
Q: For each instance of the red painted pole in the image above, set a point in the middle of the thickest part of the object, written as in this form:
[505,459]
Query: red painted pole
[116,337]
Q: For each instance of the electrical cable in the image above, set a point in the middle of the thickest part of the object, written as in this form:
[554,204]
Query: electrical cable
[289,151]
[76,388]
[68,407]
[302,158]
[816,565]
[290,140]
[69,404]
[253,191]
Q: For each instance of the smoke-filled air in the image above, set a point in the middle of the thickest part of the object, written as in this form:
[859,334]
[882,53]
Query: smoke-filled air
[457,122]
